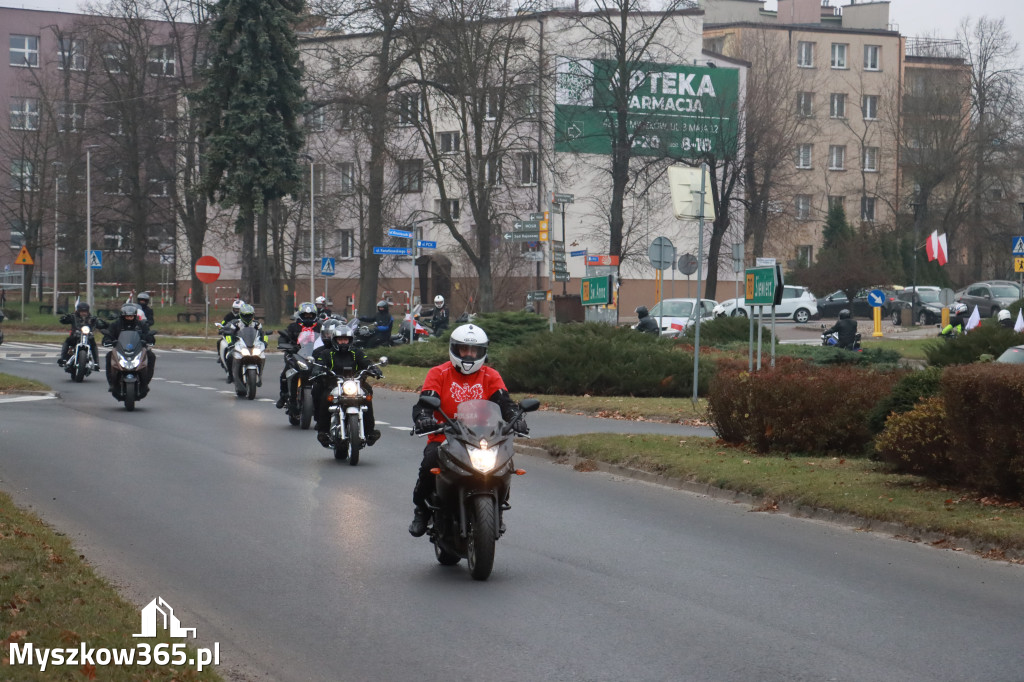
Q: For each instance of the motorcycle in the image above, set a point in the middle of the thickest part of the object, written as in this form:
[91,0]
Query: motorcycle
[411,322]
[298,362]
[79,364]
[832,340]
[346,403]
[472,482]
[128,363]
[224,346]
[248,355]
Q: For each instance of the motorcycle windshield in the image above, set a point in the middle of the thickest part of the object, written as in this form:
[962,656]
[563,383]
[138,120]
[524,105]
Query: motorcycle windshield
[482,417]
[306,336]
[247,336]
[306,350]
[129,342]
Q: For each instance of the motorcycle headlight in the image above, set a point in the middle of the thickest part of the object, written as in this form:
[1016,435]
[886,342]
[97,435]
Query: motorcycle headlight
[301,365]
[129,363]
[350,387]
[483,458]
[241,352]
[85,329]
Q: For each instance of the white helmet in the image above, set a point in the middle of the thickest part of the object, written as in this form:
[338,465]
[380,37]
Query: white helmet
[1004,314]
[321,300]
[236,306]
[439,300]
[468,348]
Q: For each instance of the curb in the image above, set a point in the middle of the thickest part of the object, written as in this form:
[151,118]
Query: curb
[897,531]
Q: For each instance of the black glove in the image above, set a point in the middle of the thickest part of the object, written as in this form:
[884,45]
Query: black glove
[375,372]
[520,427]
[425,424]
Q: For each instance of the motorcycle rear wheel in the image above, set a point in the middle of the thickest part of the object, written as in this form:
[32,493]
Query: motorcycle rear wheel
[306,415]
[444,557]
[352,426]
[130,396]
[81,365]
[482,534]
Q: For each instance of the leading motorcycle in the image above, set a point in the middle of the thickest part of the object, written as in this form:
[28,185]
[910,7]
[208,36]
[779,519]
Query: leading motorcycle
[79,364]
[248,355]
[128,364]
[347,403]
[472,482]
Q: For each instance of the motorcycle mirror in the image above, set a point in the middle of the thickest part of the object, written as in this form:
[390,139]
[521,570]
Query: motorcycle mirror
[430,401]
[383,361]
[529,404]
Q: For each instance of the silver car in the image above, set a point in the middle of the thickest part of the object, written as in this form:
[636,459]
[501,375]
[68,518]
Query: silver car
[674,315]
[989,296]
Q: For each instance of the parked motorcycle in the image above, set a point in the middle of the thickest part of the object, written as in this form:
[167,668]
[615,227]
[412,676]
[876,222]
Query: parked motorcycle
[79,364]
[472,484]
[832,340]
[411,322]
[248,355]
[347,403]
[128,364]
[298,362]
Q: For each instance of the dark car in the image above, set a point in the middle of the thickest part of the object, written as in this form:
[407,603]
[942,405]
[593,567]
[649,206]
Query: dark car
[989,296]
[929,305]
[830,305]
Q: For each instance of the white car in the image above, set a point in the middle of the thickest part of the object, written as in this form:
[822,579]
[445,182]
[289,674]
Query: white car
[798,304]
[674,315]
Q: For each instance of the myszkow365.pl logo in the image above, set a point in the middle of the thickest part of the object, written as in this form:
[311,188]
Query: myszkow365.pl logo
[157,616]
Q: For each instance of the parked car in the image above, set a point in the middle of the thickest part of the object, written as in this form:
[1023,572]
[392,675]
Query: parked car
[798,304]
[1014,355]
[990,296]
[929,305]
[674,315]
[860,307]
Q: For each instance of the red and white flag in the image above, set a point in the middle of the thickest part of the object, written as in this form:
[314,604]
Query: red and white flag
[931,246]
[974,320]
[943,250]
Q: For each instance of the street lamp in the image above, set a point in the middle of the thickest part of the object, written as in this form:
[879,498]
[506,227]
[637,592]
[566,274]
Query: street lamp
[913,296]
[56,227]
[88,225]
[312,254]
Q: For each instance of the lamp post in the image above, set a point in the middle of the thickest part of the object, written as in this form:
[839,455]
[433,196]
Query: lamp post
[56,228]
[312,251]
[88,225]
[913,296]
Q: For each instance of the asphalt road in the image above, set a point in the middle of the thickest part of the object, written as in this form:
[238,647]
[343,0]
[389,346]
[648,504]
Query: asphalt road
[301,567]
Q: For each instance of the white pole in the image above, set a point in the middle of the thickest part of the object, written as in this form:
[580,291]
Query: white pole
[88,228]
[700,260]
[312,253]
[56,232]
[412,284]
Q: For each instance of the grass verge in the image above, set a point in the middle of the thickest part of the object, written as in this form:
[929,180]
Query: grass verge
[851,486]
[51,598]
[12,384]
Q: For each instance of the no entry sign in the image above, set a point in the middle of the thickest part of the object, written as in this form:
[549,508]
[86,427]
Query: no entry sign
[207,269]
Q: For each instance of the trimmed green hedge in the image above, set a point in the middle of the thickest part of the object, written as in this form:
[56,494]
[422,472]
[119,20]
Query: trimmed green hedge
[990,338]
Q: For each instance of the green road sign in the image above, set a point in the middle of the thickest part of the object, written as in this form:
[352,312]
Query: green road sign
[557,198]
[536,295]
[595,291]
[522,236]
[526,225]
[762,284]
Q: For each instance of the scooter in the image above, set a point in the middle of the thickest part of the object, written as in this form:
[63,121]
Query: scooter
[129,362]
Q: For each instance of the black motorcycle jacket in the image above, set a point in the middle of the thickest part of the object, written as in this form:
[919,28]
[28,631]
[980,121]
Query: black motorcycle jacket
[648,325]
[76,322]
[345,362]
[291,333]
[117,326]
[847,332]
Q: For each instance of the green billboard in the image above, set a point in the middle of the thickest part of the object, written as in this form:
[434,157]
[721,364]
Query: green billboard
[673,110]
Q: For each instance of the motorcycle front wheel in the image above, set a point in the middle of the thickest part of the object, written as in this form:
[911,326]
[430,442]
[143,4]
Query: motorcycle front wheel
[81,364]
[482,534]
[250,382]
[130,396]
[352,426]
[306,416]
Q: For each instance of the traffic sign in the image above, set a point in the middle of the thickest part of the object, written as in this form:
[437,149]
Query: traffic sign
[762,284]
[558,247]
[95,259]
[687,264]
[533,256]
[23,257]
[876,299]
[327,267]
[602,260]
[561,277]
[521,236]
[526,225]
[661,253]
[426,245]
[1018,264]
[537,216]
[536,295]
[559,267]
[391,251]
[557,198]
[207,269]
[1018,246]
[581,252]
[595,290]
[400,233]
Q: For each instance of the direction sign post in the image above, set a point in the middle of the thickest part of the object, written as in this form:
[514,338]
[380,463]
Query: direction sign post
[876,299]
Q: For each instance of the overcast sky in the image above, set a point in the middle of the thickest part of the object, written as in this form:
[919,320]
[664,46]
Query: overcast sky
[938,18]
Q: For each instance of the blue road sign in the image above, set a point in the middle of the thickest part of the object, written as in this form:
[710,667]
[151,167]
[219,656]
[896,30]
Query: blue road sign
[581,252]
[327,267]
[95,260]
[1018,246]
[876,298]
[400,233]
[390,251]
[426,245]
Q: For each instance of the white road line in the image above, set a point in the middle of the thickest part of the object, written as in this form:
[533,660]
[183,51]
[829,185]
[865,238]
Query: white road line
[27,398]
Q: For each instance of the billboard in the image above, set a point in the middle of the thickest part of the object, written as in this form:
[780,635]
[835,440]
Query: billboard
[673,110]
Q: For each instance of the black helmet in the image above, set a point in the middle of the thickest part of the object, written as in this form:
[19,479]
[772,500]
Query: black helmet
[382,306]
[844,314]
[641,311]
[129,315]
[144,297]
[307,314]
[341,336]
[82,307]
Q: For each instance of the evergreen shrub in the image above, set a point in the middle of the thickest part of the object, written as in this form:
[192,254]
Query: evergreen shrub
[911,388]
[723,332]
[916,441]
[989,338]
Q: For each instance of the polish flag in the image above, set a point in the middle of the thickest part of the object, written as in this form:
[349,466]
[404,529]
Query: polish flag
[1019,326]
[931,246]
[677,326]
[974,320]
[943,250]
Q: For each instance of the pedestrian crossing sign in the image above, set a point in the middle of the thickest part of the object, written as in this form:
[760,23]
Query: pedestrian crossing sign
[23,257]
[1018,246]
[327,267]
[95,259]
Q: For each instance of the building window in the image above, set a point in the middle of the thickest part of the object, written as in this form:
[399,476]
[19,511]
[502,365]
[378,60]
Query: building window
[528,168]
[161,60]
[453,208]
[805,104]
[449,143]
[803,155]
[837,157]
[113,124]
[24,113]
[17,234]
[805,55]
[871,159]
[410,108]
[346,243]
[70,117]
[491,105]
[72,54]
[316,121]
[116,182]
[159,185]
[319,182]
[117,237]
[839,55]
[492,171]
[837,105]
[410,175]
[869,107]
[347,171]
[24,51]
[112,57]
[836,202]
[23,175]
[872,55]
[996,194]
[867,209]
[802,205]
[804,255]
